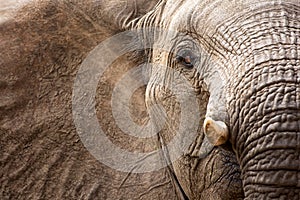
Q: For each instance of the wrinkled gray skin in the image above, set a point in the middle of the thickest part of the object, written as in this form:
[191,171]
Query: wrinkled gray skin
[252,77]
[250,82]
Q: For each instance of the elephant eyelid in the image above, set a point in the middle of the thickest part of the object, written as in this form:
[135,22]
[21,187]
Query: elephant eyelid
[186,60]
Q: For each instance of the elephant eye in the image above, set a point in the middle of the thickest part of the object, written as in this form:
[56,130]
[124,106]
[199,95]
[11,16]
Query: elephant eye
[186,59]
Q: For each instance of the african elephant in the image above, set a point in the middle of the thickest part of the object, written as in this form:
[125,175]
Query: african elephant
[240,59]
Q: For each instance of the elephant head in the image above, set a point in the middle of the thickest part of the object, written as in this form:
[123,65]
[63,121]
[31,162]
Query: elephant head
[224,76]
[242,60]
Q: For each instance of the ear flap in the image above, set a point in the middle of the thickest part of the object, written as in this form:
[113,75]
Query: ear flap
[123,12]
[103,14]
[42,47]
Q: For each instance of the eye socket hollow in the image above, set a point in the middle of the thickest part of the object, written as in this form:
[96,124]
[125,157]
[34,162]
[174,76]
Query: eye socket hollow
[186,60]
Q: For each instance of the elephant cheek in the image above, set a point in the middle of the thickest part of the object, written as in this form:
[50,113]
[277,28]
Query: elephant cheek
[216,176]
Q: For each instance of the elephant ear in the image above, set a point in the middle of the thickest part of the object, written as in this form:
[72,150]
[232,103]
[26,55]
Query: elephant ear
[42,46]
[115,14]
[123,12]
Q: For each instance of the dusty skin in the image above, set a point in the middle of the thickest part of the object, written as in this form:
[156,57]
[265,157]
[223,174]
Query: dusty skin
[241,61]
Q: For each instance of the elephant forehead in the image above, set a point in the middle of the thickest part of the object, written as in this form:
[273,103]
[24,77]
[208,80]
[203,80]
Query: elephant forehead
[204,17]
[216,22]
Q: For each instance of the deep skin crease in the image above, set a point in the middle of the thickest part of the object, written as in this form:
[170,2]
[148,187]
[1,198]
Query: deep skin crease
[247,80]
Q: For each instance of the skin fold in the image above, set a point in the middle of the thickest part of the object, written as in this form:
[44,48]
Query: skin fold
[241,62]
